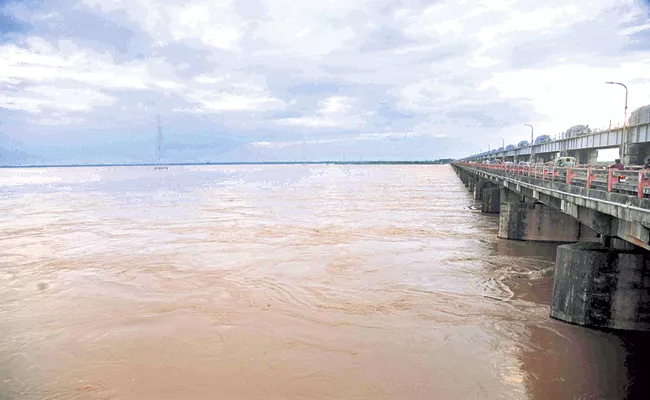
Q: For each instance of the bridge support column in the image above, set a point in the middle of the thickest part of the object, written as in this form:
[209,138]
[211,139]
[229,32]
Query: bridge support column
[471,183]
[588,157]
[635,154]
[600,287]
[524,219]
[481,185]
[491,200]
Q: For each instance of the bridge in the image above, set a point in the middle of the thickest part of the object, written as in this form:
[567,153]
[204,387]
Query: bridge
[602,275]
[634,142]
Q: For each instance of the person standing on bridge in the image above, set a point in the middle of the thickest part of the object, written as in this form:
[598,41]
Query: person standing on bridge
[617,165]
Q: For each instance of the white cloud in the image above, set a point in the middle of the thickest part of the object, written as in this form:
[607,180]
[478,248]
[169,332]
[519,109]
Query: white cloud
[41,61]
[210,101]
[334,112]
[232,92]
[574,94]
[37,99]
[213,23]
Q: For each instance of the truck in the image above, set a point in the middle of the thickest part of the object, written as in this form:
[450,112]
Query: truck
[577,130]
[562,162]
[542,139]
[640,116]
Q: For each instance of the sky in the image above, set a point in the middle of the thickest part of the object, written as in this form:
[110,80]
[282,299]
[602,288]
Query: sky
[82,81]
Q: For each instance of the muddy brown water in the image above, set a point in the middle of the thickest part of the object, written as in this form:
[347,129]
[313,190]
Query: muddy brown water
[282,282]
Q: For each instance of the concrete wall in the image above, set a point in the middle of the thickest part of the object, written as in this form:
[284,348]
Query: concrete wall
[596,286]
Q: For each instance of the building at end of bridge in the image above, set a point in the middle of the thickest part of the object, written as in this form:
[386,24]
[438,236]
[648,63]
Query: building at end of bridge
[602,275]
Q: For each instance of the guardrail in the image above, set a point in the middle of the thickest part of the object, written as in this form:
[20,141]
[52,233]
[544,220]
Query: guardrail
[632,181]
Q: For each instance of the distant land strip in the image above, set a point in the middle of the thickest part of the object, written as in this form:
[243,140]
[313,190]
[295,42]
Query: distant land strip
[439,161]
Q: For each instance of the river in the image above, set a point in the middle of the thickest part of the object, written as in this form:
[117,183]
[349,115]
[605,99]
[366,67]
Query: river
[282,282]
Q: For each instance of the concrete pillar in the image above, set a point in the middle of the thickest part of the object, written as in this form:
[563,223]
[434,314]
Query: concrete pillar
[539,222]
[481,185]
[635,154]
[491,200]
[509,196]
[589,157]
[596,286]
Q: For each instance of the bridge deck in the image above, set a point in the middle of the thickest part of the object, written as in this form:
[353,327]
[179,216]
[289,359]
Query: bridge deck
[620,207]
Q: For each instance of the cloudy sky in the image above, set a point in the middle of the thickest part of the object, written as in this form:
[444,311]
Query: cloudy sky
[248,80]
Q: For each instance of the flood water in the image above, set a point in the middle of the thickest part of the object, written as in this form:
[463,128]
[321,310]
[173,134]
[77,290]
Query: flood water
[282,282]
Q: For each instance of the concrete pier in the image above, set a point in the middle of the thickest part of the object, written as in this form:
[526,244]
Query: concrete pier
[491,200]
[585,157]
[600,287]
[481,185]
[635,154]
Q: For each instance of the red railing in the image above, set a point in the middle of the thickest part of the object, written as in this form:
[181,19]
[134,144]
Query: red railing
[591,177]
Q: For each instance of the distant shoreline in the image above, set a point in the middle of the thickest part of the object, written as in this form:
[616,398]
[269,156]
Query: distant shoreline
[434,162]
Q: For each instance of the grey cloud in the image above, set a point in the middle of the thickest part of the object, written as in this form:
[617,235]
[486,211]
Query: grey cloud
[497,115]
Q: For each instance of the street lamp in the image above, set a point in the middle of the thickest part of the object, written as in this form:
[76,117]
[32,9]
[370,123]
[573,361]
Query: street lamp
[625,138]
[618,83]
[503,143]
[531,133]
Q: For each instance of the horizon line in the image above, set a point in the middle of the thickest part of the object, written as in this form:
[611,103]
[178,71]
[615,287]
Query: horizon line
[436,161]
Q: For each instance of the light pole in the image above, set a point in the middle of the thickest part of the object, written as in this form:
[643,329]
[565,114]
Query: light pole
[503,143]
[531,133]
[624,150]
[531,142]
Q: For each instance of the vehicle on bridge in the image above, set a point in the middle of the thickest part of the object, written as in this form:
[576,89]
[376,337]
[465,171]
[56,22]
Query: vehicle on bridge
[563,162]
[577,130]
[523,143]
[500,149]
[510,147]
[543,139]
[640,116]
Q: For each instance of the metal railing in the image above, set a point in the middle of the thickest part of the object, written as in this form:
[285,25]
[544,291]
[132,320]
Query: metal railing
[630,181]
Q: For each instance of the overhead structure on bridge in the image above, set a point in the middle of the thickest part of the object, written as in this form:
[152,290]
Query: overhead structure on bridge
[583,143]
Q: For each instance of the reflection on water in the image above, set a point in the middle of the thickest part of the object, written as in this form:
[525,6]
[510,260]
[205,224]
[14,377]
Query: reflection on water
[281,282]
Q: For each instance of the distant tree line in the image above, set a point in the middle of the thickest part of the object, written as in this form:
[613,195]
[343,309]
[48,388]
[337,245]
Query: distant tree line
[438,161]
